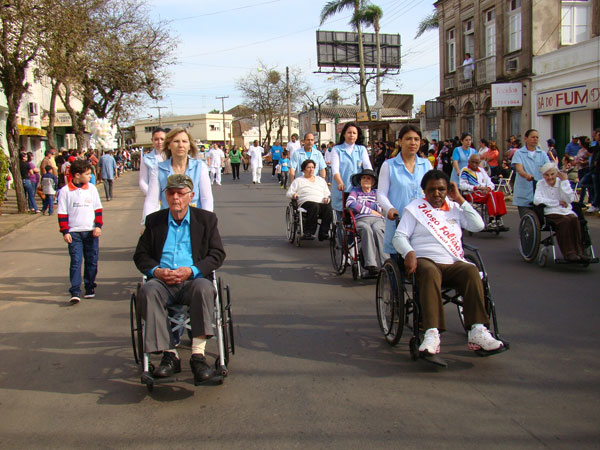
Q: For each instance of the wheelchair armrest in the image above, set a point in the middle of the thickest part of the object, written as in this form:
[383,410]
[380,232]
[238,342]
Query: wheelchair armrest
[471,248]
[294,203]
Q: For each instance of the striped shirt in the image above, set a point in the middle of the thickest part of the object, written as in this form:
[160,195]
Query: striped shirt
[362,203]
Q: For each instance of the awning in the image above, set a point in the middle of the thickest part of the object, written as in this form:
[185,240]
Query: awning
[24,130]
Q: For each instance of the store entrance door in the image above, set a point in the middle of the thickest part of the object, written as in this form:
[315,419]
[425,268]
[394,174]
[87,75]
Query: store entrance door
[561,131]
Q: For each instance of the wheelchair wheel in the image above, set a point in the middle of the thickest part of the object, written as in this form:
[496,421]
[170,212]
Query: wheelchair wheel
[227,321]
[137,334]
[389,301]
[290,224]
[338,249]
[543,256]
[529,236]
[355,271]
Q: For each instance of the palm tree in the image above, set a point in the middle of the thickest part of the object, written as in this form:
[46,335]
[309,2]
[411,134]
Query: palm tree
[333,7]
[430,22]
[371,15]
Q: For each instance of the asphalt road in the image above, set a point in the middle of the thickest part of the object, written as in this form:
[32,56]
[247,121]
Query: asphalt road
[311,368]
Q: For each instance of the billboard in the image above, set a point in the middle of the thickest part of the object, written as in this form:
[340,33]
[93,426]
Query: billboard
[340,49]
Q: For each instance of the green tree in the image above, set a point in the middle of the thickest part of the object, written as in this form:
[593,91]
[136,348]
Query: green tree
[264,91]
[429,23]
[23,29]
[371,15]
[4,171]
[334,7]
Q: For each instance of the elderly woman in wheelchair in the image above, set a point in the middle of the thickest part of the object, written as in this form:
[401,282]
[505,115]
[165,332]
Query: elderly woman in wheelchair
[369,219]
[313,196]
[555,195]
[429,239]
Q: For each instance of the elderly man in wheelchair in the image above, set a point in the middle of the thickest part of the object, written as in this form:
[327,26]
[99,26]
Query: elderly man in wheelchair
[478,188]
[179,249]
[429,239]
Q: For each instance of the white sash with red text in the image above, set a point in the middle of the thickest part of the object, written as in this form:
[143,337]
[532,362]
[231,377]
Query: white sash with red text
[442,223]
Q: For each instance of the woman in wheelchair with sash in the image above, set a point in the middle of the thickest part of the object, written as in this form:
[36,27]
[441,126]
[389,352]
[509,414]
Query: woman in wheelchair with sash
[429,239]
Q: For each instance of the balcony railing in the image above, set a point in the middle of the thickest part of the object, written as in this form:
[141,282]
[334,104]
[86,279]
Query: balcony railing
[486,70]
[449,82]
[465,77]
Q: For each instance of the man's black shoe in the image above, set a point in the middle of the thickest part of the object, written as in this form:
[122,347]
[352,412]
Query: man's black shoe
[169,366]
[201,370]
[323,237]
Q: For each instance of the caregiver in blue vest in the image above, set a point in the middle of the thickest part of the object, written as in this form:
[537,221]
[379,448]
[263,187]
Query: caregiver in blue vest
[400,180]
[349,157]
[180,152]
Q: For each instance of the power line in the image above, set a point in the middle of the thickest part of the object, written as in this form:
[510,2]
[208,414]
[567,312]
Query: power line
[225,11]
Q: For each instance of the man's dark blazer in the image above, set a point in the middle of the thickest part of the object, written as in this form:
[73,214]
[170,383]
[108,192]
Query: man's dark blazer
[207,249]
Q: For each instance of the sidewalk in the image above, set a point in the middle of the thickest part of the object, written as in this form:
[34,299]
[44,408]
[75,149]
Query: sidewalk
[10,220]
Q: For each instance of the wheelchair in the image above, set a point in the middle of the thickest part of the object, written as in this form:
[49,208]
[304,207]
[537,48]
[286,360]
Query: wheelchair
[534,224]
[397,304]
[294,223]
[344,245]
[482,210]
[180,322]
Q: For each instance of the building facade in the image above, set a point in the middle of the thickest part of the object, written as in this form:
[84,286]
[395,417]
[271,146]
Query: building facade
[247,130]
[483,43]
[32,119]
[502,38]
[565,97]
[204,128]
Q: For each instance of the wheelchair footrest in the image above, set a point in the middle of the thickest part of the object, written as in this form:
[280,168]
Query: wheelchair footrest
[585,263]
[216,379]
[433,359]
[502,349]
[148,379]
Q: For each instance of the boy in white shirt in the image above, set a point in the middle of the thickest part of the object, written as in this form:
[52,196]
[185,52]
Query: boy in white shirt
[80,222]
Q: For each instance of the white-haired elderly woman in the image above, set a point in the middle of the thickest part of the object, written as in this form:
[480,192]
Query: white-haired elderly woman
[555,193]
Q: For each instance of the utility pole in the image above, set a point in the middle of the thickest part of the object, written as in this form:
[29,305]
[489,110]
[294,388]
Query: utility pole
[159,117]
[289,114]
[223,109]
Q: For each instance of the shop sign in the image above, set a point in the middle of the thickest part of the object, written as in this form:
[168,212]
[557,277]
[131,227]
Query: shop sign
[362,116]
[61,119]
[574,98]
[507,94]
[25,130]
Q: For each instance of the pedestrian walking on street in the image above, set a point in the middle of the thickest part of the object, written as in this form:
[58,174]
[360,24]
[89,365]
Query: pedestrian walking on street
[80,222]
[108,169]
[255,153]
[49,183]
[215,160]
[284,162]
[26,172]
[235,156]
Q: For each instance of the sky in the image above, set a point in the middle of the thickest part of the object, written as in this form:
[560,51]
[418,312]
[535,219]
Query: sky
[222,42]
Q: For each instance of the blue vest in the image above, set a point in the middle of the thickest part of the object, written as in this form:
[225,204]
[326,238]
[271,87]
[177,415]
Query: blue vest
[404,188]
[193,171]
[349,165]
[532,162]
[150,159]
[300,156]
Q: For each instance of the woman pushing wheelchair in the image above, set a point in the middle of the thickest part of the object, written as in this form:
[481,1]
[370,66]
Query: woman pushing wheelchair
[429,239]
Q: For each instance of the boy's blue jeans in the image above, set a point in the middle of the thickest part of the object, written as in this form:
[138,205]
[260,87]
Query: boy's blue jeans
[48,204]
[83,246]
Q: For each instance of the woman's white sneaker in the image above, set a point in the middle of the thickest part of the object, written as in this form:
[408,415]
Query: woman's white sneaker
[481,339]
[431,342]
